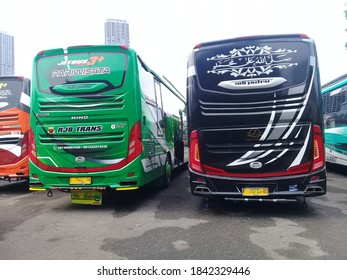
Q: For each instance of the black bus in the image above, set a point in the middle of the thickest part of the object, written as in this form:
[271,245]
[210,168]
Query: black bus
[255,119]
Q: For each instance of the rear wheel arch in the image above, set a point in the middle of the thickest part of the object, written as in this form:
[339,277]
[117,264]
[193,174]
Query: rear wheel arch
[167,171]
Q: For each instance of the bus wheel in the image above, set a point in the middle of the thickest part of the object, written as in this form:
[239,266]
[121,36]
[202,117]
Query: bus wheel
[167,173]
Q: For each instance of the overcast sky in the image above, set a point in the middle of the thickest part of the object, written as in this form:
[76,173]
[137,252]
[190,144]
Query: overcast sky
[164,32]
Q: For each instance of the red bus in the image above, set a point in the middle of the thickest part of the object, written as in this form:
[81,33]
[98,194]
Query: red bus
[14,126]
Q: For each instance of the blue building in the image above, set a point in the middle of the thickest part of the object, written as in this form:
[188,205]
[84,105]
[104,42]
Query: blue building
[6,54]
[117,32]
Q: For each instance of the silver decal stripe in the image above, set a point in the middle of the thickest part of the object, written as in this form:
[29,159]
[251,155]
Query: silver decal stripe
[302,109]
[277,157]
[297,135]
[277,132]
[269,125]
[249,153]
[239,162]
[153,163]
[105,161]
[296,90]
[49,159]
[299,157]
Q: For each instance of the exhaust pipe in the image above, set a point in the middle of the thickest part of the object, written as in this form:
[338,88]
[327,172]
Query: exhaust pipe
[202,190]
[314,189]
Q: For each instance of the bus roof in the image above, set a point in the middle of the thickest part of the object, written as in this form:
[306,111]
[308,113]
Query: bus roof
[255,37]
[334,84]
[81,48]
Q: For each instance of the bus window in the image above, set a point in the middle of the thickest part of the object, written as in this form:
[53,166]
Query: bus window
[160,115]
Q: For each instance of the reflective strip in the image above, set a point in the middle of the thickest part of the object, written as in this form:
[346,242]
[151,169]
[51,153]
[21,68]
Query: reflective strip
[25,99]
[191,71]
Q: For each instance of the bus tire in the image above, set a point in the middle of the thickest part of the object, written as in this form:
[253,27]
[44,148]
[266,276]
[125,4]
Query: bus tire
[167,173]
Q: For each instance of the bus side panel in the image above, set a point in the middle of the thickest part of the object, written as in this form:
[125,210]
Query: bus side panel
[154,154]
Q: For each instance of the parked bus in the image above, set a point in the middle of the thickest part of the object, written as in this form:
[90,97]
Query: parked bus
[255,122]
[14,127]
[102,120]
[335,116]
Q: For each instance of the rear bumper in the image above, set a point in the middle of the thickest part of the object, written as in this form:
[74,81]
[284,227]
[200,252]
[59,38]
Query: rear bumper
[129,177]
[280,188]
[18,170]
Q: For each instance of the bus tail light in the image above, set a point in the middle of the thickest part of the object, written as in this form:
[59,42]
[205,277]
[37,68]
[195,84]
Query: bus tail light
[318,149]
[194,154]
[135,145]
[25,143]
[32,147]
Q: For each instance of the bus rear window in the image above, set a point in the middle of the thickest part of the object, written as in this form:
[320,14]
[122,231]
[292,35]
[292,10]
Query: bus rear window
[10,93]
[75,68]
[231,67]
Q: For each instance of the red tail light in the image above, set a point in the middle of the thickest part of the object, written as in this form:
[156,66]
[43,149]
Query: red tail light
[25,144]
[318,149]
[135,145]
[194,154]
[32,147]
[198,46]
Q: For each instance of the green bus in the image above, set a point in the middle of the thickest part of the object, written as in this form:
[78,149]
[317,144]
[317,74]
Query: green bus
[100,120]
[334,94]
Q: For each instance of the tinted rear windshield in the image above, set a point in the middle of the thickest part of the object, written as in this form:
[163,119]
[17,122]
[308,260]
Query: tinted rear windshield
[90,67]
[227,67]
[10,93]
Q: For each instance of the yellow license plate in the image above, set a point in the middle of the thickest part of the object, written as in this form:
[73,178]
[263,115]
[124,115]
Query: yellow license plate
[255,191]
[86,197]
[80,180]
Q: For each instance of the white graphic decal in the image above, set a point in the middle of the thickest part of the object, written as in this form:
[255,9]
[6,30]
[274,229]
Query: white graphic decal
[4,93]
[252,61]
[25,99]
[12,148]
[3,104]
[81,72]
[252,83]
